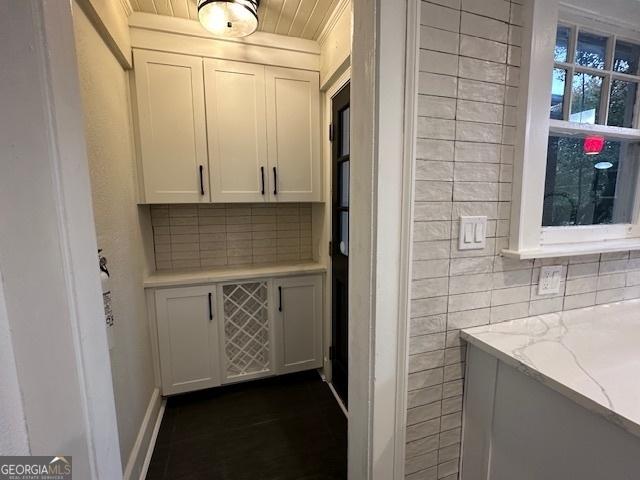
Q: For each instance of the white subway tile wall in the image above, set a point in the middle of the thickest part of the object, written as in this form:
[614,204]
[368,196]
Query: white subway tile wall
[201,236]
[469,61]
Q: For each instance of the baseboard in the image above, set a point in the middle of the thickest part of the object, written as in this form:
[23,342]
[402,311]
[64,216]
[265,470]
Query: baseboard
[338,399]
[136,468]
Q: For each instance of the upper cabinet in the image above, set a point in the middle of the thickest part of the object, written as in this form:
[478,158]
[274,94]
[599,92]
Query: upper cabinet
[236,129]
[172,130]
[293,127]
[259,142]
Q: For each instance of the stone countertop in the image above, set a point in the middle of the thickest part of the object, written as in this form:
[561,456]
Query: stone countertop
[590,355]
[175,278]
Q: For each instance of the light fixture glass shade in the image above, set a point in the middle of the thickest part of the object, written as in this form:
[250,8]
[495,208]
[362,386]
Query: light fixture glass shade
[229,18]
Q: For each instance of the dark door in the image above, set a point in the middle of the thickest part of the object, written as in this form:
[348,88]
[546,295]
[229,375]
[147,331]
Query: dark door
[340,241]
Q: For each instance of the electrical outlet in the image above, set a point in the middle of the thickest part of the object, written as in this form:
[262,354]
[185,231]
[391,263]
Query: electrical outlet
[549,281]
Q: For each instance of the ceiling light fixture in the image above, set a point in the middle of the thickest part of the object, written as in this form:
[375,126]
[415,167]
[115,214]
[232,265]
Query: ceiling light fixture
[229,18]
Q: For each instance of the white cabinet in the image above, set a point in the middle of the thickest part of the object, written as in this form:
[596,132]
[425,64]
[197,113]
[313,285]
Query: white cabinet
[293,131]
[298,305]
[187,338]
[250,132]
[236,129]
[235,331]
[246,331]
[169,93]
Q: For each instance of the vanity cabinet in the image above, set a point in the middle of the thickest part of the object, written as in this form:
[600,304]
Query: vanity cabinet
[188,338]
[239,330]
[173,160]
[250,132]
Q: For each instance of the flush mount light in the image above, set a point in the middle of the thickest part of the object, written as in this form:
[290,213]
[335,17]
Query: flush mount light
[229,18]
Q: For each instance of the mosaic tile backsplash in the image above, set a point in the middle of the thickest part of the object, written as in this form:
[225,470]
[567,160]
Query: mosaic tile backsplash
[204,235]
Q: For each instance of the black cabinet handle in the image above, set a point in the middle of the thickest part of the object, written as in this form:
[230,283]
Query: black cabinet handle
[275,181]
[201,180]
[262,180]
[210,308]
[279,299]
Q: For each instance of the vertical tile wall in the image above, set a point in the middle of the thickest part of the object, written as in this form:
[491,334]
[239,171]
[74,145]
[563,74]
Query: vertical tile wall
[469,63]
[193,236]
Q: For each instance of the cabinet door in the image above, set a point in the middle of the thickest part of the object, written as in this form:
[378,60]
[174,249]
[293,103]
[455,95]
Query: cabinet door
[246,332]
[171,120]
[293,126]
[298,305]
[187,338]
[236,129]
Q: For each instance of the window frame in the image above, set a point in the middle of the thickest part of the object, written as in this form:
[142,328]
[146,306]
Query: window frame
[528,238]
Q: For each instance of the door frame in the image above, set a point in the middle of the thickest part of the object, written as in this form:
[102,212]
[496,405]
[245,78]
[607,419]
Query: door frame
[331,92]
[383,105]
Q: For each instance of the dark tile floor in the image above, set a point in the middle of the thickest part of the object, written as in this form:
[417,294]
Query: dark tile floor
[283,428]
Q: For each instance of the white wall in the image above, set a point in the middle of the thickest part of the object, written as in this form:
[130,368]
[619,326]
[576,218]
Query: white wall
[13,430]
[335,45]
[105,95]
[48,252]
[110,17]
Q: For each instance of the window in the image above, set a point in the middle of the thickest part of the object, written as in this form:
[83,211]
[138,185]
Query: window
[585,197]
[594,82]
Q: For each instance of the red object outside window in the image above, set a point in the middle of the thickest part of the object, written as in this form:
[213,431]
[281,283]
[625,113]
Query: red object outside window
[593,145]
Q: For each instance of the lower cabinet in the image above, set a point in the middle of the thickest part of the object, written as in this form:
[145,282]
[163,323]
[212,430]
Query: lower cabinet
[236,331]
[187,338]
[299,323]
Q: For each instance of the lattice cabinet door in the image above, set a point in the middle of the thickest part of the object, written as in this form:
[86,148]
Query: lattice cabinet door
[246,332]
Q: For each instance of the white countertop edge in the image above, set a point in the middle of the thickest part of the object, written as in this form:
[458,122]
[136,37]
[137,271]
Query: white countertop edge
[200,276]
[625,423]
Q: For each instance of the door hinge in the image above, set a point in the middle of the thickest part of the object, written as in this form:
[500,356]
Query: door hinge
[332,354]
[331,132]
[330,249]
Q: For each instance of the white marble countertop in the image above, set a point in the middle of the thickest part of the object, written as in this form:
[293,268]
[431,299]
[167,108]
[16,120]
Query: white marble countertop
[591,355]
[220,274]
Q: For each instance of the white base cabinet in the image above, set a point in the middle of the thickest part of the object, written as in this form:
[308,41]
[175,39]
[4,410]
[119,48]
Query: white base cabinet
[235,331]
[188,338]
[299,323]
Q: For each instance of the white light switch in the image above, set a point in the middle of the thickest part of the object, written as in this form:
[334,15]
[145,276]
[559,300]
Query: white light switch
[549,281]
[473,232]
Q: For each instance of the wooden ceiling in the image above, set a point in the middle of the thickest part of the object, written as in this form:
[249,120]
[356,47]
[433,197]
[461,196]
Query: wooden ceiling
[294,18]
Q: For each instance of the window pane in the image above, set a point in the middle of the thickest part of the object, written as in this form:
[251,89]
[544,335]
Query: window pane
[557,93]
[344,233]
[585,104]
[343,184]
[623,98]
[626,58]
[562,44]
[344,131]
[591,50]
[583,189]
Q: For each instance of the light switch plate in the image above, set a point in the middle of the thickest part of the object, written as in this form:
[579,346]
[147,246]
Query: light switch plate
[549,281]
[473,233]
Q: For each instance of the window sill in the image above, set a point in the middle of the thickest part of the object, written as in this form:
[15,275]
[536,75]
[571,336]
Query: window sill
[572,249]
